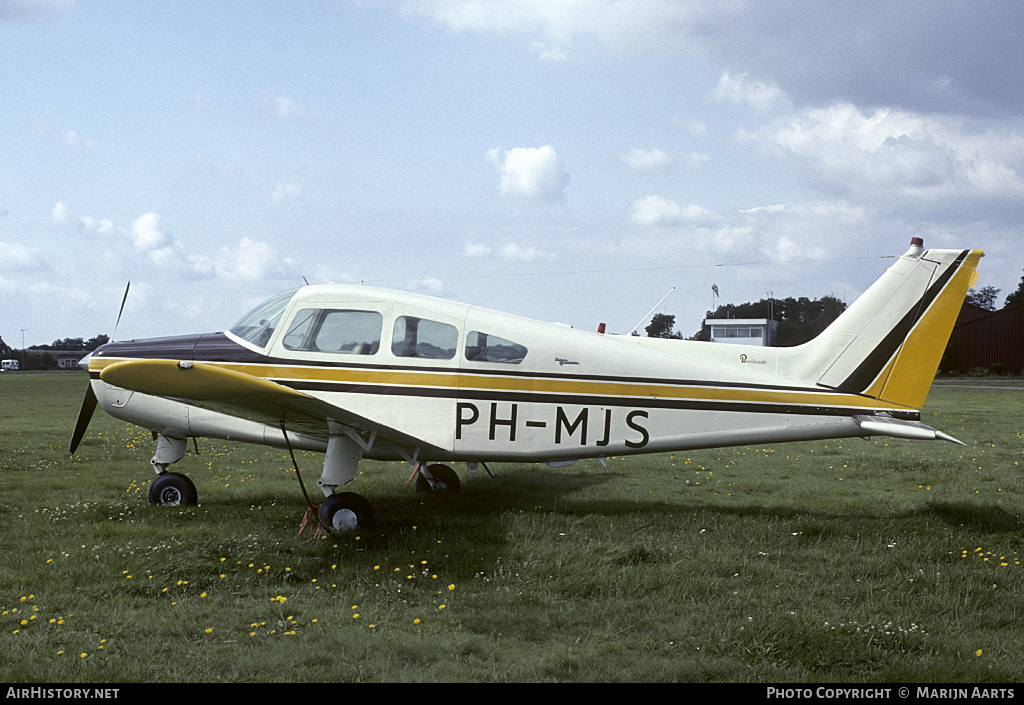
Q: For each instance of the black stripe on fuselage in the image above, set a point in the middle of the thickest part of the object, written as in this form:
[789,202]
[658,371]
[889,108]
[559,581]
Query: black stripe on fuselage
[584,399]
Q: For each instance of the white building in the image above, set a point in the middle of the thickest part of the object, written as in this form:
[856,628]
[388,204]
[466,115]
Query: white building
[743,331]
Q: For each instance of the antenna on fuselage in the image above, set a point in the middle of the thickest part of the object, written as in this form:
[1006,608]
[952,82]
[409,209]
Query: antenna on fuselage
[651,311]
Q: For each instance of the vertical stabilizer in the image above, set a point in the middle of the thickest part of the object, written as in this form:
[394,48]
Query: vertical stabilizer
[889,343]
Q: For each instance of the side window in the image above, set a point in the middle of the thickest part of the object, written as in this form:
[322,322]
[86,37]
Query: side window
[335,331]
[421,337]
[481,347]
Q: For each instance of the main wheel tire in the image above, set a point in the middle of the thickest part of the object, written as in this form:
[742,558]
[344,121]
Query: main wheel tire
[443,475]
[172,489]
[347,511]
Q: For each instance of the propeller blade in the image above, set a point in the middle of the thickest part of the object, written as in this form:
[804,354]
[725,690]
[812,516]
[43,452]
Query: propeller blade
[84,415]
[123,301]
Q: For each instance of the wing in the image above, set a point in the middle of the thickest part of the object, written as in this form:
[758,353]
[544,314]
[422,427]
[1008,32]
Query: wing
[246,396]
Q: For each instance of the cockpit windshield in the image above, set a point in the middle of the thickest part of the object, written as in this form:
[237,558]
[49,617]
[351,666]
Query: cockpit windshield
[258,325]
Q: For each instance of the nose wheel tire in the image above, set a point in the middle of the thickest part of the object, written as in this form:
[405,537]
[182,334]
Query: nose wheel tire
[172,489]
[347,511]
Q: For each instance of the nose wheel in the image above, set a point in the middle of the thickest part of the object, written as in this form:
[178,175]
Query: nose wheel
[172,489]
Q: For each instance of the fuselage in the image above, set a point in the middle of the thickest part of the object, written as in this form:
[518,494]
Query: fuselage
[473,384]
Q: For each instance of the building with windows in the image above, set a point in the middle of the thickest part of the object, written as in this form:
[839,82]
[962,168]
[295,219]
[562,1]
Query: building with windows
[743,331]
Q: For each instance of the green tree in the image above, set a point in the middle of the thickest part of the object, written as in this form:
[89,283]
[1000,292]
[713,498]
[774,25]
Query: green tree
[1017,296]
[661,326]
[984,298]
[800,319]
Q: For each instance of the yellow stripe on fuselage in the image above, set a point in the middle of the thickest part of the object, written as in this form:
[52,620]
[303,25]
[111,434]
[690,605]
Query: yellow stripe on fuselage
[456,381]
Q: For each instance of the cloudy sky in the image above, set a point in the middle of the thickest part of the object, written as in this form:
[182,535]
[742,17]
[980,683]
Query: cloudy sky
[568,160]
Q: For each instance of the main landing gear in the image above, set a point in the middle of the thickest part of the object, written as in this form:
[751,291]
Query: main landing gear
[341,511]
[347,511]
[437,478]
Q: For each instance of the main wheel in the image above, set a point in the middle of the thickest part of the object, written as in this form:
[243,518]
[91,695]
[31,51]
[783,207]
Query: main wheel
[447,480]
[347,511]
[172,489]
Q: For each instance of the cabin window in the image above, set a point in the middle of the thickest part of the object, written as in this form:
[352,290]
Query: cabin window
[258,325]
[420,337]
[335,331]
[481,347]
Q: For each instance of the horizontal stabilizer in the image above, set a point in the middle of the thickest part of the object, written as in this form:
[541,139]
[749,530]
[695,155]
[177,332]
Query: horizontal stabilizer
[898,428]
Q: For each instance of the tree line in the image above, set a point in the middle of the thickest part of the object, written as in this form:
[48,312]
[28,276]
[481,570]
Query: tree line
[800,319]
[44,357]
[985,297]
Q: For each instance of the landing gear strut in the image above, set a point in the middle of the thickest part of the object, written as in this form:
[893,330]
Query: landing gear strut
[170,488]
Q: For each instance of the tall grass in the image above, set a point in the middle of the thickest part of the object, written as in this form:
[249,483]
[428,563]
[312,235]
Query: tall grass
[854,560]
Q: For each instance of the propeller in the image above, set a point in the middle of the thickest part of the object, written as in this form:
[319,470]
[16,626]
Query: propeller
[84,415]
[90,401]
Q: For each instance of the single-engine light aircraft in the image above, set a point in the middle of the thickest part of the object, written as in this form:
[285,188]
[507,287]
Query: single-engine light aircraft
[360,372]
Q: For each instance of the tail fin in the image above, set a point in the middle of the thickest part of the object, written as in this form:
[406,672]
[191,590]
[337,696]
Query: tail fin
[889,343]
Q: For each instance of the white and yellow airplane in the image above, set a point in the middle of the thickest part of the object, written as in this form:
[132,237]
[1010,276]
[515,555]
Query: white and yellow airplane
[361,372]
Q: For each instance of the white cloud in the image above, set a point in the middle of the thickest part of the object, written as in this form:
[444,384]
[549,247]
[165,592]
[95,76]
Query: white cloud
[619,23]
[60,212]
[646,159]
[73,139]
[531,174]
[743,89]
[429,285]
[899,157]
[15,257]
[34,9]
[521,253]
[660,211]
[96,225]
[286,108]
[545,52]
[946,56]
[146,233]
[286,191]
[253,260]
[476,251]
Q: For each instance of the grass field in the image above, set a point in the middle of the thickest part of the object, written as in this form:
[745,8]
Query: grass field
[855,560]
